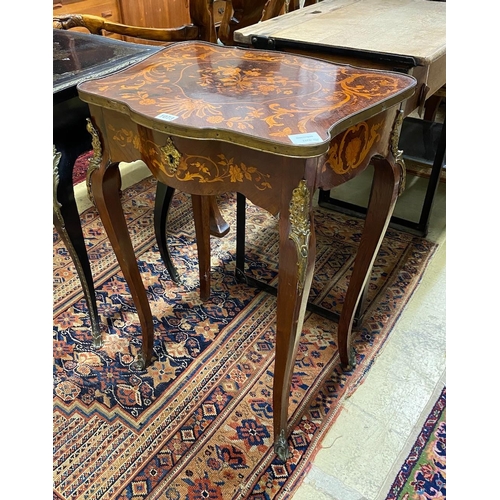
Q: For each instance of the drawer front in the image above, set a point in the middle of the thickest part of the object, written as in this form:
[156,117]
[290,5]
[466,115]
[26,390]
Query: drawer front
[103,8]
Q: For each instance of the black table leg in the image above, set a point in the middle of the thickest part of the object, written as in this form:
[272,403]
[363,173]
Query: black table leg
[164,195]
[67,222]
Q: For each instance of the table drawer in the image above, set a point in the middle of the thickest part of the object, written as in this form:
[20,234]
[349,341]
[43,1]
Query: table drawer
[108,9]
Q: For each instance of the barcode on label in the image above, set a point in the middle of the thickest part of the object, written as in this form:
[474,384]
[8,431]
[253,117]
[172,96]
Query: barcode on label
[166,117]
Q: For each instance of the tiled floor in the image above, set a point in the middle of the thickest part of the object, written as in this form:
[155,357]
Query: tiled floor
[366,445]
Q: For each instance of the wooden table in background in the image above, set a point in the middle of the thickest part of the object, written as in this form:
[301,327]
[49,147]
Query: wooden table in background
[408,36]
[274,127]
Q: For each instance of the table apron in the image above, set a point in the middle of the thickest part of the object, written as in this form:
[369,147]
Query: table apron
[350,151]
[211,167]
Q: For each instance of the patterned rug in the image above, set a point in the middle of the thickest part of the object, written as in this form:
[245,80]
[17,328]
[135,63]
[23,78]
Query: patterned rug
[423,473]
[81,167]
[197,424]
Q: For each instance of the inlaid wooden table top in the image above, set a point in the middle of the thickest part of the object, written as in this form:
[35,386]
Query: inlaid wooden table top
[274,127]
[264,100]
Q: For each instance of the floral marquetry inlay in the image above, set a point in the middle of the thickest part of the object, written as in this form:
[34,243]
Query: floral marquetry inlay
[257,98]
[190,167]
[205,169]
[352,147]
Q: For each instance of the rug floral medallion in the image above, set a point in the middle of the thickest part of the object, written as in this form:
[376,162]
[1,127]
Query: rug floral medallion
[197,423]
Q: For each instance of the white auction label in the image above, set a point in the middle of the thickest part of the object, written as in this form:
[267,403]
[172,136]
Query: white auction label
[166,117]
[310,138]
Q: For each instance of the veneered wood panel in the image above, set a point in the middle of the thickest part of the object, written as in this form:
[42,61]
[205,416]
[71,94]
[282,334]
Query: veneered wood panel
[155,13]
[104,8]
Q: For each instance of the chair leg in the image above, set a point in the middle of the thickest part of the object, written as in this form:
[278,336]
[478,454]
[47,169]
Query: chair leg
[164,194]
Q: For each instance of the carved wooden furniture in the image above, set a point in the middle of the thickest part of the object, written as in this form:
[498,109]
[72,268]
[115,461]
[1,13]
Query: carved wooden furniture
[78,57]
[408,36]
[269,125]
[200,27]
[106,9]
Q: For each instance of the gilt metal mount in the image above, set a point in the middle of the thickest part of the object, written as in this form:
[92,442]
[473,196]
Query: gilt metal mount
[300,231]
[281,447]
[398,153]
[96,159]
[171,156]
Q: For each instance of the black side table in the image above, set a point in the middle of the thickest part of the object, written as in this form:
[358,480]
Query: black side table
[78,57]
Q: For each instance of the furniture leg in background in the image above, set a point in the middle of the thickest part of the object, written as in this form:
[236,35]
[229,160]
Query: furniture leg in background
[164,194]
[66,220]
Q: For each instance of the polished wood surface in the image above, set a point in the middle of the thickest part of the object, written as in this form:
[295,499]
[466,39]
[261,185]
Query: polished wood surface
[272,126]
[408,36]
[256,99]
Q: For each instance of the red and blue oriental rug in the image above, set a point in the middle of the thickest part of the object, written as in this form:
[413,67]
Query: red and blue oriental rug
[197,423]
[423,473]
[81,167]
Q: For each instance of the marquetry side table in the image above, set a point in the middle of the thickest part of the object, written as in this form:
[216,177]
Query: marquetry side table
[274,127]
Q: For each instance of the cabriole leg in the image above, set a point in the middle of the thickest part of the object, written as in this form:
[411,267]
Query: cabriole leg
[105,184]
[297,254]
